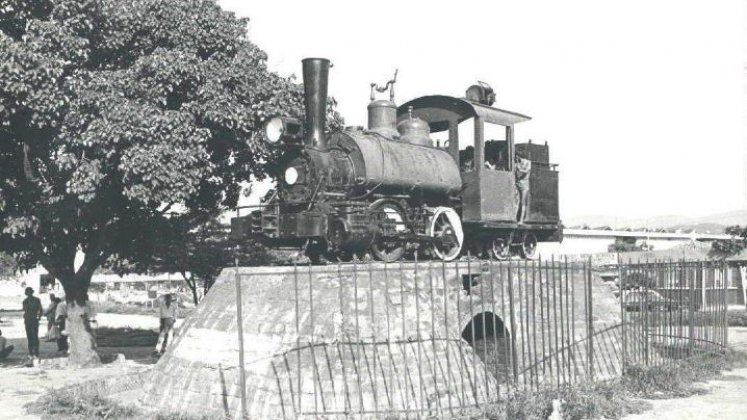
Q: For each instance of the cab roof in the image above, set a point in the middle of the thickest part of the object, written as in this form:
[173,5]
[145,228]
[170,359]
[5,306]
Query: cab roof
[438,110]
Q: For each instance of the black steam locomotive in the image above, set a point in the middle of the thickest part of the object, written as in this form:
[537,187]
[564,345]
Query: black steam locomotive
[393,192]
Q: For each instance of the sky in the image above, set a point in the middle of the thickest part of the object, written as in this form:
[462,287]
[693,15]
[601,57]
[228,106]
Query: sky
[643,103]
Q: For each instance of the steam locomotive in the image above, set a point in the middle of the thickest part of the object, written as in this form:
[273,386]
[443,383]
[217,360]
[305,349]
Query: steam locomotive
[393,192]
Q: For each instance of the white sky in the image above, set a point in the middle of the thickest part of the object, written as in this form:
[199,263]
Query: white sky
[643,103]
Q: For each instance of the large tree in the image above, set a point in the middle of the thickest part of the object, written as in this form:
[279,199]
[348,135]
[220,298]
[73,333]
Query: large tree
[117,117]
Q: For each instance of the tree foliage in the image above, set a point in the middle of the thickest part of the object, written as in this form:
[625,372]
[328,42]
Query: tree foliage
[199,250]
[726,248]
[114,114]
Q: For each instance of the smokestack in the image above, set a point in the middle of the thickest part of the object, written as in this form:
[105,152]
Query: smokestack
[315,78]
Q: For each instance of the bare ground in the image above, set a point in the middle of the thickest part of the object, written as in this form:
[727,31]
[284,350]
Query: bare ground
[726,398]
[20,385]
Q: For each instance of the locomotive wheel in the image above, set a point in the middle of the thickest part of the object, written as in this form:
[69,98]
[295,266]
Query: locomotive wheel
[384,215]
[315,251]
[529,246]
[501,248]
[446,227]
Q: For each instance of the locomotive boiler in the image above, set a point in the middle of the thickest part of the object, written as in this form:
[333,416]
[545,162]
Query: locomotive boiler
[389,190]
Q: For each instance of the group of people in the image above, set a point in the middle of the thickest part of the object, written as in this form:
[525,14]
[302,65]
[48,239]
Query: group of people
[56,315]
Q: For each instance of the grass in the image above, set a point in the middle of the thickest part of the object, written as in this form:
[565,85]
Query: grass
[736,318]
[62,405]
[621,396]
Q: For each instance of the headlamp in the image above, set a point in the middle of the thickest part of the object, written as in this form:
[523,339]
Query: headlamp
[274,130]
[281,130]
[291,175]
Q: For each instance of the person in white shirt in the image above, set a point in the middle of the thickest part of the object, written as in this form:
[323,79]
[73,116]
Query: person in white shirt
[169,311]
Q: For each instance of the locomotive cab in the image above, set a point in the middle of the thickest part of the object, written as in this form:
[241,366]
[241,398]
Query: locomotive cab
[489,203]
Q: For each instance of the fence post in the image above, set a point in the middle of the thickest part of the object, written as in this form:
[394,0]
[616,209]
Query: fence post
[590,321]
[240,332]
[512,316]
[725,321]
[623,330]
[691,314]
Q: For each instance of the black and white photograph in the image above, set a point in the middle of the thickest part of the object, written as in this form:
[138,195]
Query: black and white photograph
[288,209]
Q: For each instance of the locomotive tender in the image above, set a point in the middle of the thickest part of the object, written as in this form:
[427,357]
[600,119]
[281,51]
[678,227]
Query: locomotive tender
[392,191]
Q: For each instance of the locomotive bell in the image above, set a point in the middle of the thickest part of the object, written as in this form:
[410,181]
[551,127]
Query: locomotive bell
[382,117]
[413,130]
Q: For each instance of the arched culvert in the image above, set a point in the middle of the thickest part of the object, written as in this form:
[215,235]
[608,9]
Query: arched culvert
[484,325]
[491,341]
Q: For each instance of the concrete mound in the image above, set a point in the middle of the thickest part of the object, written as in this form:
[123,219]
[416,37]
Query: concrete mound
[368,340]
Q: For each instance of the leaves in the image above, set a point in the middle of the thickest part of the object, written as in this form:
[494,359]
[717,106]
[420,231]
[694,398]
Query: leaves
[129,110]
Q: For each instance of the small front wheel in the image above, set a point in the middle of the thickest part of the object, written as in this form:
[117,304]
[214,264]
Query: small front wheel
[529,246]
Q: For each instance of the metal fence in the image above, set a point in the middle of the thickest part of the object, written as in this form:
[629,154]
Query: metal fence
[672,310]
[434,338]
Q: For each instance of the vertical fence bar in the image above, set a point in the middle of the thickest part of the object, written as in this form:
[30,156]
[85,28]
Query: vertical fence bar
[341,295]
[436,361]
[357,364]
[240,332]
[646,313]
[622,273]
[471,318]
[298,337]
[485,343]
[404,340]
[390,400]
[542,320]
[495,358]
[590,321]
[314,375]
[522,324]
[512,315]
[375,343]
[569,321]
[691,321]
[570,281]
[446,335]
[506,340]
[462,363]
[418,337]
[535,362]
[552,326]
[725,319]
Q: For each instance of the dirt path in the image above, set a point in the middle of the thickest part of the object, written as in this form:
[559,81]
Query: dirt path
[726,398]
[21,385]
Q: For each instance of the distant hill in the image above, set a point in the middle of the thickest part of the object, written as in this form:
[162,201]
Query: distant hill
[714,223]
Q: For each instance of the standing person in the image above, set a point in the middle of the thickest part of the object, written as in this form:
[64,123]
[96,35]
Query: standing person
[50,315]
[169,313]
[32,313]
[523,167]
[60,318]
[4,351]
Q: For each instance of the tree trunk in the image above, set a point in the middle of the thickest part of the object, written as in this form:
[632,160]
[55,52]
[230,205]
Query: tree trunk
[192,283]
[82,352]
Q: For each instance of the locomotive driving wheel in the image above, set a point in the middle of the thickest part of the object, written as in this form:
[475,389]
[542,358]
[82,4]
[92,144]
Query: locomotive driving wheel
[388,219]
[501,247]
[529,246]
[446,229]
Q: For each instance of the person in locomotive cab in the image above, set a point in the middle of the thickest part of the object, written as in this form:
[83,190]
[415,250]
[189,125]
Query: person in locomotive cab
[522,168]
